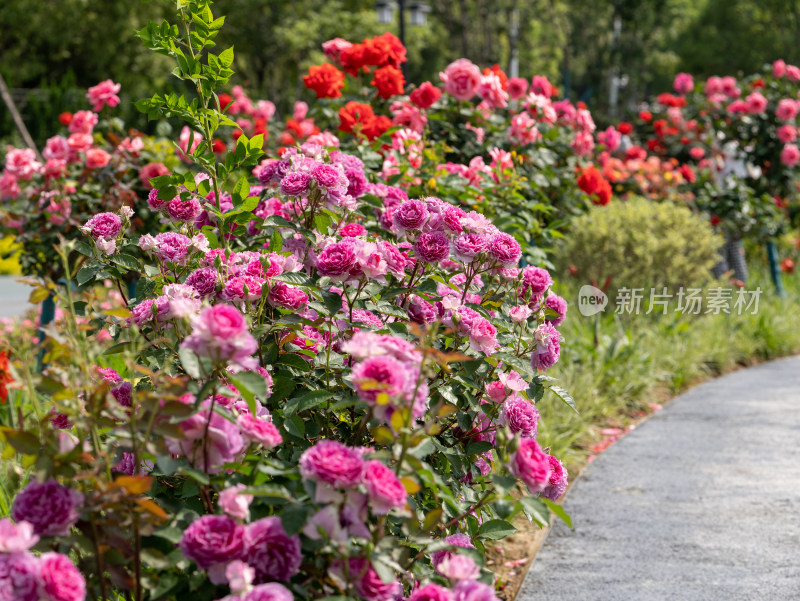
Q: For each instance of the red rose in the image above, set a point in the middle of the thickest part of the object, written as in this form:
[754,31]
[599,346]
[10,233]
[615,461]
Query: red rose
[624,128]
[353,59]
[354,114]
[325,79]
[218,146]
[595,185]
[224,100]
[65,119]
[389,81]
[426,95]
[376,127]
[385,49]
[646,116]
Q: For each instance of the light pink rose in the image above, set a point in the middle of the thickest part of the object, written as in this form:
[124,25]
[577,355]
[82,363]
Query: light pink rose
[97,158]
[790,155]
[103,94]
[234,503]
[384,488]
[461,79]
[83,122]
[57,148]
[22,163]
[787,109]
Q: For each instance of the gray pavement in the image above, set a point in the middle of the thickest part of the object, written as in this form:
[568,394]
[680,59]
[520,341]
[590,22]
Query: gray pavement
[699,503]
[13,297]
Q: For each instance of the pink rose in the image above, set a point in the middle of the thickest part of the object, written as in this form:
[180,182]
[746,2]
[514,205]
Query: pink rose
[492,92]
[83,122]
[97,158]
[531,465]
[787,109]
[79,143]
[60,579]
[517,87]
[461,79]
[103,94]
[150,171]
[787,133]
[790,155]
[234,503]
[483,336]
[288,297]
[384,488]
[57,148]
[259,430]
[520,313]
[15,538]
[22,163]
[779,68]
[756,103]
[683,83]
[332,463]
[520,416]
[9,188]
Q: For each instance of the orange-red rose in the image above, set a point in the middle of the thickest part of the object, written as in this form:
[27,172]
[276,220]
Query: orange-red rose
[325,79]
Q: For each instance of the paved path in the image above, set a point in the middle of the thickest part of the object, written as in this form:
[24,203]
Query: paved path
[13,297]
[699,503]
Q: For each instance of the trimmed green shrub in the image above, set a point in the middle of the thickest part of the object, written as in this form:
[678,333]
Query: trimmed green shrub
[640,244]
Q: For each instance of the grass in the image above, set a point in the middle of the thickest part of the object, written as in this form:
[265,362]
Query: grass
[645,359]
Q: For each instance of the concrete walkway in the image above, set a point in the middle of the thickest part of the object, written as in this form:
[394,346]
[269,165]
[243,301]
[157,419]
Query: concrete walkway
[13,297]
[699,503]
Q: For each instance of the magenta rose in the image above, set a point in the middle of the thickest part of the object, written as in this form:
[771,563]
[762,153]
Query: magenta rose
[259,430]
[52,509]
[431,592]
[336,260]
[272,591]
[520,416]
[213,539]
[557,305]
[548,347]
[270,551]
[380,374]
[326,176]
[505,249]
[432,247]
[208,442]
[420,311]
[171,247]
[184,211]
[60,579]
[104,225]
[468,246]
[19,577]
[203,280]
[557,484]
[295,184]
[531,465]
[410,215]
[330,462]
[472,590]
[384,488]
[288,297]
[368,585]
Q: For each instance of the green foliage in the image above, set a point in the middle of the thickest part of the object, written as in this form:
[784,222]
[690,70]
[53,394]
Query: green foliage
[639,244]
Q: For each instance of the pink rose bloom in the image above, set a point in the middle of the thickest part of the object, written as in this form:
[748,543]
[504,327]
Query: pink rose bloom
[60,579]
[221,333]
[259,430]
[779,68]
[212,540]
[713,86]
[83,122]
[431,592]
[15,538]
[325,139]
[520,313]
[535,280]
[274,554]
[505,249]
[458,567]
[271,591]
[790,155]
[224,441]
[531,465]
[20,577]
[300,110]
[461,79]
[793,73]
[234,503]
[787,109]
[472,590]
[520,416]
[332,463]
[542,86]
[333,48]
[548,347]
[131,145]
[336,260]
[513,382]
[381,374]
[97,158]
[523,130]
[610,138]
[432,247]
[787,133]
[79,143]
[697,153]
[729,87]
[584,121]
[104,225]
[496,391]
[492,92]
[483,337]
[368,585]
[557,305]
[57,148]
[683,83]
[8,186]
[183,210]
[517,87]
[150,171]
[286,296]
[756,103]
[454,540]
[22,163]
[384,488]
[737,106]
[103,94]
[583,143]
[557,483]
[410,215]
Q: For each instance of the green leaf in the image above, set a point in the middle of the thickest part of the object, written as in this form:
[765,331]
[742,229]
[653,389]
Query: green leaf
[23,442]
[240,191]
[226,57]
[277,221]
[251,385]
[295,426]
[535,509]
[293,517]
[559,511]
[333,302]
[479,447]
[306,401]
[496,529]
[126,261]
[190,362]
[566,397]
[88,272]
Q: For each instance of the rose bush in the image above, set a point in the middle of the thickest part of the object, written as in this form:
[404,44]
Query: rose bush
[322,386]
